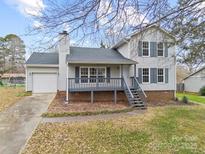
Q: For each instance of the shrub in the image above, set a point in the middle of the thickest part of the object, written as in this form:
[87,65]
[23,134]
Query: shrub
[176,99]
[185,100]
[1,83]
[202,91]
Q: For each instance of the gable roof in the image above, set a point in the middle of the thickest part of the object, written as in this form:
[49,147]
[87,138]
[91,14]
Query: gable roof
[43,59]
[126,39]
[81,55]
[97,56]
[194,73]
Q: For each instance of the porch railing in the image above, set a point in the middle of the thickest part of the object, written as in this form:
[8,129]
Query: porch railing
[127,90]
[136,85]
[87,84]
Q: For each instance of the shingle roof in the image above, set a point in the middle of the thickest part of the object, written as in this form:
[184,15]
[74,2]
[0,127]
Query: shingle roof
[97,56]
[81,55]
[43,58]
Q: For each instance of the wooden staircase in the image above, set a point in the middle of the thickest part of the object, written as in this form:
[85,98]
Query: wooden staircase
[135,95]
[135,101]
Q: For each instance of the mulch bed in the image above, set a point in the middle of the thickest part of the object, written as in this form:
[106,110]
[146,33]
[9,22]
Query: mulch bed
[58,105]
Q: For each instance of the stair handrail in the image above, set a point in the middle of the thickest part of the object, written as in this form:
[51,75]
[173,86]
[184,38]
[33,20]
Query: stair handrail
[127,87]
[140,87]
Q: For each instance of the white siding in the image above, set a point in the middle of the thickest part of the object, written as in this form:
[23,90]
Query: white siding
[130,50]
[31,70]
[195,82]
[123,50]
[114,69]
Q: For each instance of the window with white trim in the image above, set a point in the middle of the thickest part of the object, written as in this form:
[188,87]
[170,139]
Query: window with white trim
[92,73]
[145,75]
[160,49]
[84,74]
[101,74]
[160,75]
[145,48]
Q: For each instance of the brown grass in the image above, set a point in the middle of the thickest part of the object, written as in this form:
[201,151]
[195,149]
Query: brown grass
[169,129]
[10,95]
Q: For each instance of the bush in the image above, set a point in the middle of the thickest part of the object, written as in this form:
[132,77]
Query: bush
[1,83]
[185,100]
[202,91]
[176,99]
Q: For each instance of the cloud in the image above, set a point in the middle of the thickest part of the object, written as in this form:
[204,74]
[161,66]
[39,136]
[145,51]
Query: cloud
[126,17]
[103,11]
[37,25]
[28,7]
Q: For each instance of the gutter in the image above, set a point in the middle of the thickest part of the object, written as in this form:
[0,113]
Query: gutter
[41,65]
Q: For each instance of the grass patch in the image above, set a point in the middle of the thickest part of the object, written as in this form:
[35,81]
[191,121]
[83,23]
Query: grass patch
[10,95]
[170,129]
[192,97]
[86,113]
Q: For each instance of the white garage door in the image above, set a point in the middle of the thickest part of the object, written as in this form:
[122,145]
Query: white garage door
[44,83]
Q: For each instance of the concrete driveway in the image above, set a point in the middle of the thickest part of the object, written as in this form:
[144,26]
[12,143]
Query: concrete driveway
[18,122]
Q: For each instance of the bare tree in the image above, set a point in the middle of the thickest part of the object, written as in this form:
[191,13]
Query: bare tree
[116,18]
[111,20]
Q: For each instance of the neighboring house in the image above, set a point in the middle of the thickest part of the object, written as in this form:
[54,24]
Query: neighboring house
[195,81]
[140,67]
[15,78]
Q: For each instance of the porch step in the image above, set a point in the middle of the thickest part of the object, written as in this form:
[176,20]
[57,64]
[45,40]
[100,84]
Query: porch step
[135,102]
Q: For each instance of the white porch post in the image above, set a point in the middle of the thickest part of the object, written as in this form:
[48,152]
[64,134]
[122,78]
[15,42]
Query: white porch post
[67,83]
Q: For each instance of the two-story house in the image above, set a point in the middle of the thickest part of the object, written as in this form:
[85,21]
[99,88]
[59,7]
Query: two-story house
[139,68]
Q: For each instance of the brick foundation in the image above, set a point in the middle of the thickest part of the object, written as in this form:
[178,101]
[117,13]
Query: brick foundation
[153,97]
[160,96]
[99,96]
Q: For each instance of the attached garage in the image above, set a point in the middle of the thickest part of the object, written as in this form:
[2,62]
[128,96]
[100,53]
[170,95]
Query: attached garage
[42,73]
[44,82]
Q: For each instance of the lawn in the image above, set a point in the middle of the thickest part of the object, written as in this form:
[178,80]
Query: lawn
[192,97]
[173,129]
[10,95]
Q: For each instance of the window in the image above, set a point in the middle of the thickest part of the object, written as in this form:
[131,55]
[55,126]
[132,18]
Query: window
[84,74]
[101,74]
[145,75]
[92,73]
[145,48]
[160,75]
[160,49]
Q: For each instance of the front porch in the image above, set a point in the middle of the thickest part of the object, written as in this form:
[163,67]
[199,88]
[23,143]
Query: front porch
[102,71]
[92,78]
